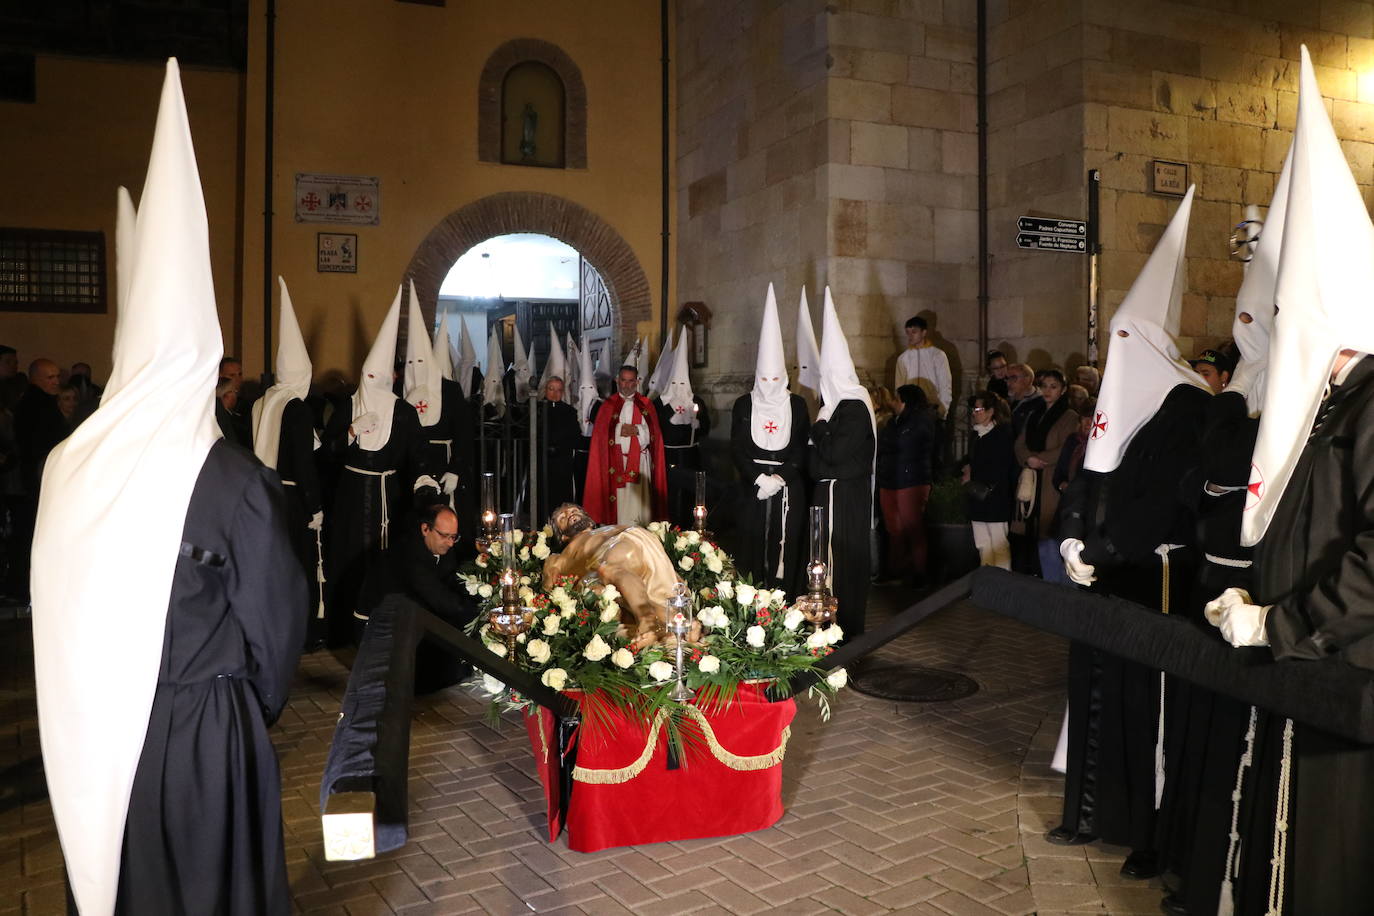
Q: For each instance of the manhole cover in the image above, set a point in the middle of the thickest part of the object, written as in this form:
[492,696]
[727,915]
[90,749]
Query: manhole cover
[910,683]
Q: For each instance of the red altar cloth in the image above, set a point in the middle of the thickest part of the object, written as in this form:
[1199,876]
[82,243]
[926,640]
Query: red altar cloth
[624,794]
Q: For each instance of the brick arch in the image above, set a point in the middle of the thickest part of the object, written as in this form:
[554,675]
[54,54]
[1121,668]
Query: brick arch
[547,214]
[517,51]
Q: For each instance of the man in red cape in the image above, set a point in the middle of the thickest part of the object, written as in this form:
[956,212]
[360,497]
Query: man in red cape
[627,479]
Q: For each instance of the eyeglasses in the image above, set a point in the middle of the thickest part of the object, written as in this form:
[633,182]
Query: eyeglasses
[981,409]
[452,538]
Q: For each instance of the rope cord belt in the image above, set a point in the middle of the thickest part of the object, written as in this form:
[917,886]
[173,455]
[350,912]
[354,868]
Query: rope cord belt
[1278,863]
[1227,561]
[386,514]
[1226,904]
[618,775]
[1163,550]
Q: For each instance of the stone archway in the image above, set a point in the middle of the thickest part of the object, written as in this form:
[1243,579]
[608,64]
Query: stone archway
[548,214]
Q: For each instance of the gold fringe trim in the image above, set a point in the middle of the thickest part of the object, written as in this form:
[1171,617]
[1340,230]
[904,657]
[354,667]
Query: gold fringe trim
[616,776]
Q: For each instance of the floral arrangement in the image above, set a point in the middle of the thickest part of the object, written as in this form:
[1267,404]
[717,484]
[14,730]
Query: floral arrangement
[576,642]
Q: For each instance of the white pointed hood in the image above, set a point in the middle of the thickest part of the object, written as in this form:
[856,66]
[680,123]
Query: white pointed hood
[123,480]
[126,222]
[587,394]
[523,372]
[677,394]
[374,403]
[663,369]
[467,359]
[1255,300]
[838,380]
[808,353]
[293,382]
[1324,282]
[770,422]
[493,383]
[574,369]
[424,386]
[443,352]
[641,363]
[555,365]
[1143,362]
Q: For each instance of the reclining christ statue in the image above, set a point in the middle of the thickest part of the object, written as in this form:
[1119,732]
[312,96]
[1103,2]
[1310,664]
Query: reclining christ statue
[626,556]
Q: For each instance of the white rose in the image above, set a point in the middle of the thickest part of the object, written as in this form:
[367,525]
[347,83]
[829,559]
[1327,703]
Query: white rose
[610,593]
[755,637]
[793,618]
[497,649]
[541,551]
[817,640]
[686,563]
[471,586]
[495,548]
[596,650]
[526,593]
[482,560]
[661,671]
[680,544]
[762,597]
[520,639]
[567,607]
[484,591]
[714,564]
[491,684]
[655,527]
[551,623]
[525,580]
[713,616]
[519,535]
[837,678]
[726,588]
[709,664]
[556,678]
[692,537]
[546,532]
[744,593]
[623,658]
[538,651]
[558,595]
[833,634]
[610,612]
[524,553]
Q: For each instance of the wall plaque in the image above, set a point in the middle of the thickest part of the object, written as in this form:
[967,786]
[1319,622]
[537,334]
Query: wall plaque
[1169,178]
[336,253]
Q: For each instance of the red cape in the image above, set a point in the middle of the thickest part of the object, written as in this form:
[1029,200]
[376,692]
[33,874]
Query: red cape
[597,498]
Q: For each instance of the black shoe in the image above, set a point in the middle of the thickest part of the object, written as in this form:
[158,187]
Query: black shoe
[1141,864]
[1173,906]
[1063,836]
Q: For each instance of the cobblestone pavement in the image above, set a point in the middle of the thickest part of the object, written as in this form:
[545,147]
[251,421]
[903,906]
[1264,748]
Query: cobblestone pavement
[913,808]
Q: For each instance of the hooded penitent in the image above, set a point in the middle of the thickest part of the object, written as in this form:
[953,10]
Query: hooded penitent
[587,395]
[677,395]
[443,353]
[663,369]
[293,382]
[556,366]
[123,480]
[523,372]
[467,359]
[1322,300]
[1143,362]
[374,402]
[838,380]
[423,381]
[641,363]
[574,365]
[1255,299]
[493,387]
[808,353]
[770,400]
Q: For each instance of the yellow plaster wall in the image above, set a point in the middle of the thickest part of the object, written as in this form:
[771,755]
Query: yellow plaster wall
[90,131]
[389,89]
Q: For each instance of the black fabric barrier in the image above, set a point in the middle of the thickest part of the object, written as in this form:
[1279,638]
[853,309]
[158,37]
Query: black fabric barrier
[1330,695]
[371,747]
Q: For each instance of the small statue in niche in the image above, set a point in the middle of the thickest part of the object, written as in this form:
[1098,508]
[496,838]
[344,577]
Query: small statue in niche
[530,121]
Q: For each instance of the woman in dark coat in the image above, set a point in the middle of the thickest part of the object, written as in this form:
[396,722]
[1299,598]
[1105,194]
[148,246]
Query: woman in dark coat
[990,478]
[1038,448]
[906,448]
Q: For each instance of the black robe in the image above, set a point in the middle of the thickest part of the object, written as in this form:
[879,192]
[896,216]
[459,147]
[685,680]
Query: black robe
[682,453]
[775,526]
[560,437]
[841,464]
[447,447]
[1109,789]
[300,478]
[357,521]
[1313,565]
[204,832]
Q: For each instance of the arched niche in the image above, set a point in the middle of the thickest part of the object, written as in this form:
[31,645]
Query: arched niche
[514,53]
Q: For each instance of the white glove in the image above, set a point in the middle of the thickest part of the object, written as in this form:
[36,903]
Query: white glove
[1071,550]
[424,480]
[316,521]
[364,425]
[768,484]
[1216,609]
[450,482]
[1243,625]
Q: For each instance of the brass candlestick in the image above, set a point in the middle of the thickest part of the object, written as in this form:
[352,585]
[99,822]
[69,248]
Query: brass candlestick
[491,525]
[699,510]
[818,606]
[509,619]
